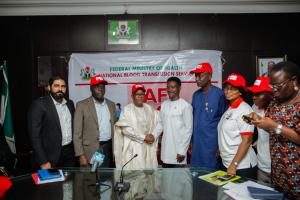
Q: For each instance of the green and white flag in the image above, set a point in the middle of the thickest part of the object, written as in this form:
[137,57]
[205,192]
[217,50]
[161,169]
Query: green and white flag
[6,114]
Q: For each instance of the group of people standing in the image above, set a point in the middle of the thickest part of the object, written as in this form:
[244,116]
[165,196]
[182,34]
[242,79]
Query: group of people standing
[216,130]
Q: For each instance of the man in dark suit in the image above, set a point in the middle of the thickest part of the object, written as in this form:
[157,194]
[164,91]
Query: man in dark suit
[50,123]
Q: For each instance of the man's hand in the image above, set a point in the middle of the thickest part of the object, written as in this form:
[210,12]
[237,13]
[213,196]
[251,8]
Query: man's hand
[180,158]
[83,161]
[149,139]
[46,165]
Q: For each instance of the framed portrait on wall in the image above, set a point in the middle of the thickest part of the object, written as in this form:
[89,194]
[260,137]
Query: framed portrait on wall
[265,63]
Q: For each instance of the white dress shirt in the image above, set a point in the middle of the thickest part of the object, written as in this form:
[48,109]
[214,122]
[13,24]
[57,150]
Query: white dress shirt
[177,123]
[65,120]
[104,120]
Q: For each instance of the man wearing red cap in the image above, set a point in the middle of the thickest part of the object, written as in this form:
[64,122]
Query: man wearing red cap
[93,124]
[262,95]
[208,106]
[136,132]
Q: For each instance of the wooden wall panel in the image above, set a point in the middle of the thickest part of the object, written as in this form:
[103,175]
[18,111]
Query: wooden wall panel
[86,33]
[160,32]
[197,32]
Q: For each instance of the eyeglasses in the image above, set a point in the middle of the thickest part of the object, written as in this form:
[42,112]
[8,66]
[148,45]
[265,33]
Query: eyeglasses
[278,86]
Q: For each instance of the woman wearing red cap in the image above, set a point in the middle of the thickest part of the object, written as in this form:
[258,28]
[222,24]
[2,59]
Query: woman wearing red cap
[282,121]
[234,134]
[262,95]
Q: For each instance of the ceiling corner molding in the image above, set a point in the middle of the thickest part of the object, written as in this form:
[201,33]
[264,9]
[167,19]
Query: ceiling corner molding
[106,7]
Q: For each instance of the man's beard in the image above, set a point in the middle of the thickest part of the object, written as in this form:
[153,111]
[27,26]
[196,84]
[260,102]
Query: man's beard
[98,98]
[57,95]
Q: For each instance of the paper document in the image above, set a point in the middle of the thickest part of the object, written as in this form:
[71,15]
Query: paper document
[240,191]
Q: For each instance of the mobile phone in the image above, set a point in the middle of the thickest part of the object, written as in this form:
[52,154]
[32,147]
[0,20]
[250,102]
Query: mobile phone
[53,171]
[226,177]
[247,118]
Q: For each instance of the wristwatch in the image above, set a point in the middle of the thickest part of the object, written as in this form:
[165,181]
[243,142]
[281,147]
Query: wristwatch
[278,129]
[235,164]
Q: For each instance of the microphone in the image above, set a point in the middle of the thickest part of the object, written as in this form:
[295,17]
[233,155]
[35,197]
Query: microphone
[96,160]
[123,186]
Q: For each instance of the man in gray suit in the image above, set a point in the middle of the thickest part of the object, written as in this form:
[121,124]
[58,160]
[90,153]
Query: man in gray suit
[93,124]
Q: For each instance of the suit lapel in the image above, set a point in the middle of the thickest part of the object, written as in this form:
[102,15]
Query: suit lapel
[71,108]
[53,111]
[92,109]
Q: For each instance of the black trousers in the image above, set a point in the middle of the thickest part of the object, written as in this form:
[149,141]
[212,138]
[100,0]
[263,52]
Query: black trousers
[66,158]
[106,148]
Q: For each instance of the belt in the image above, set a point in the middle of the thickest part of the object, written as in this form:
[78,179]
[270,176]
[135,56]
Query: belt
[105,142]
[67,145]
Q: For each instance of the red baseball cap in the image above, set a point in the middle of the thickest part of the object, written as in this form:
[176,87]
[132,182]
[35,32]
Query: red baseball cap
[137,87]
[95,80]
[261,84]
[236,80]
[202,67]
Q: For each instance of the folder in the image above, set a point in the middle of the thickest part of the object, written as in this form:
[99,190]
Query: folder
[260,193]
[44,174]
[38,181]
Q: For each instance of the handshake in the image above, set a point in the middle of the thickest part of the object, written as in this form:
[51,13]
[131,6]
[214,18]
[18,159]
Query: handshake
[149,138]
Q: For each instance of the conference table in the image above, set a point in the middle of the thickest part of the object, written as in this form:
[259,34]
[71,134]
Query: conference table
[161,183]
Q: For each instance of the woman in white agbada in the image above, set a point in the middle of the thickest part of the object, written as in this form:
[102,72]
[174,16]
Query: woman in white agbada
[136,132]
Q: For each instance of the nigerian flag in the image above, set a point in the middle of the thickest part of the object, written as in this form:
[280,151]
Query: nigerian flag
[6,114]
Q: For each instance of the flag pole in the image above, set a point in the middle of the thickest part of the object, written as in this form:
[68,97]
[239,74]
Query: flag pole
[4,63]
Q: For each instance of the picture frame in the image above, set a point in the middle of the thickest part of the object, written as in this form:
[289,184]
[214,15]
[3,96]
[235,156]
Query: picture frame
[264,63]
[123,32]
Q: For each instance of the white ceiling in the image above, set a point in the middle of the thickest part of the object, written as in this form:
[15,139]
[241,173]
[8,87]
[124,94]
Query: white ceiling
[106,7]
